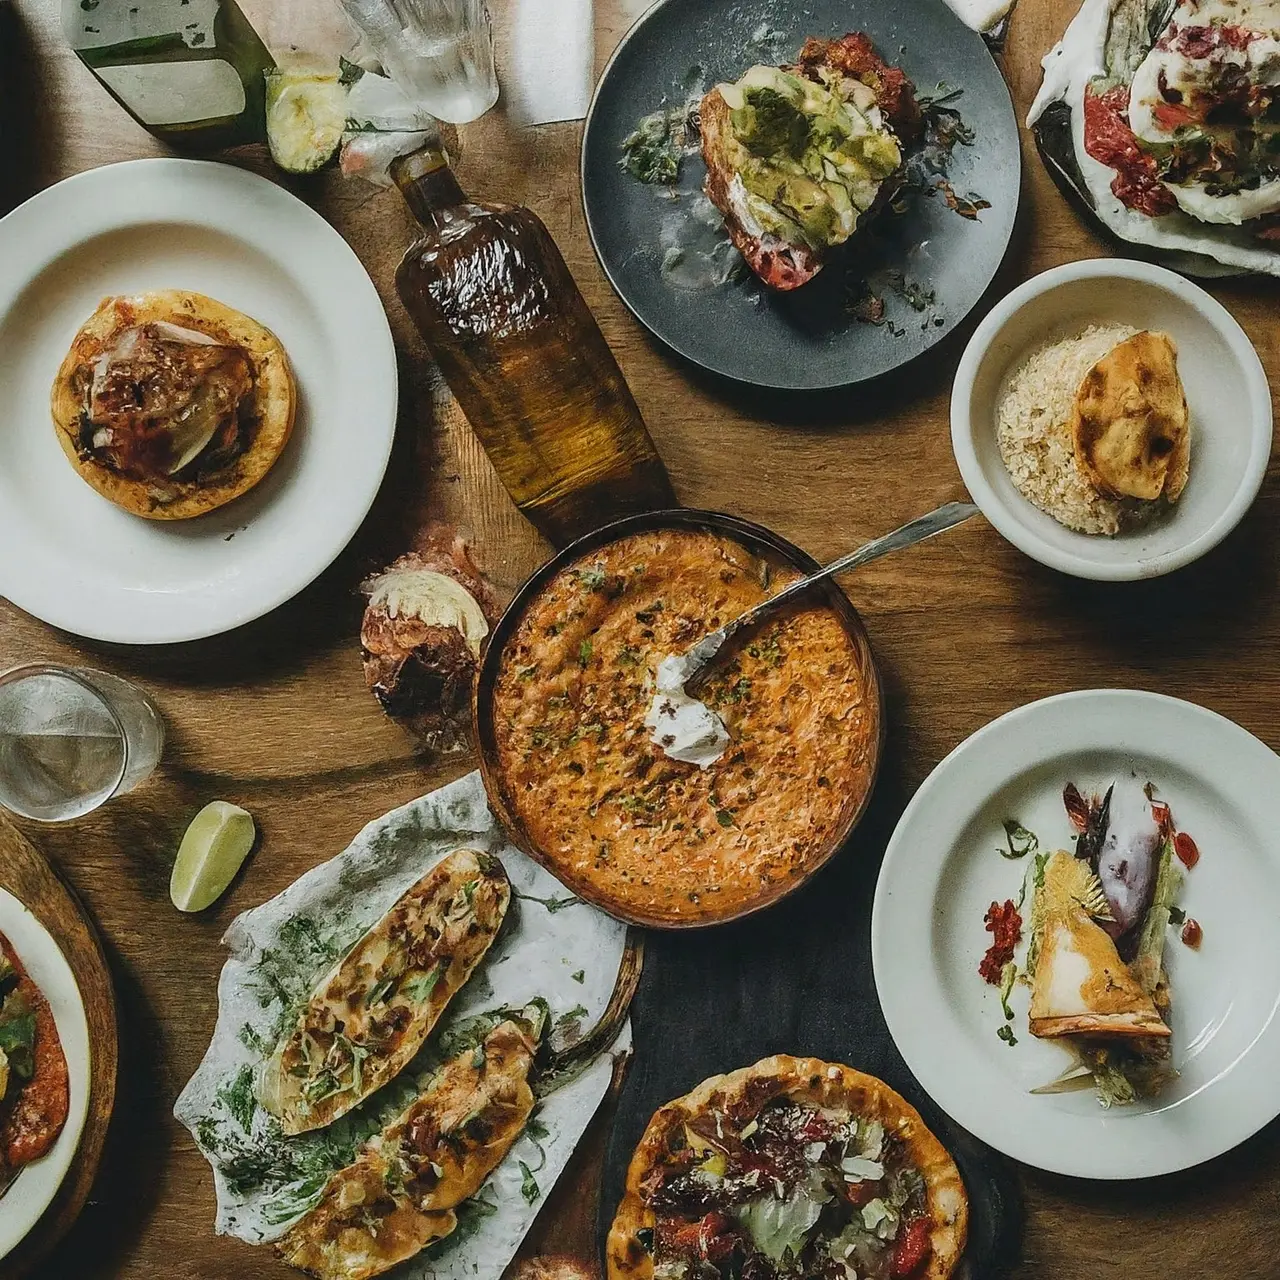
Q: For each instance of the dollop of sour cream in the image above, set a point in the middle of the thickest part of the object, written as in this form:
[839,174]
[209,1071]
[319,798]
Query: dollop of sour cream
[683,727]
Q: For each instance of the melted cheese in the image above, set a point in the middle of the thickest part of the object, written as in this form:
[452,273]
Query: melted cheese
[1068,973]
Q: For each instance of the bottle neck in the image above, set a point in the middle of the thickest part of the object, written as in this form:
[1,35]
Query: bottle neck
[428,185]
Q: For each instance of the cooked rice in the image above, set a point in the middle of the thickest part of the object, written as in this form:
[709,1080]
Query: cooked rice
[1034,432]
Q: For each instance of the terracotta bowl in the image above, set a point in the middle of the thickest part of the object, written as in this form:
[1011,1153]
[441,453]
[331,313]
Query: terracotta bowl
[757,540]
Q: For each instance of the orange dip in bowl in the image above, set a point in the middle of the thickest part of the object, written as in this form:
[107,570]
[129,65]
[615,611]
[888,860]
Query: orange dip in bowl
[651,839]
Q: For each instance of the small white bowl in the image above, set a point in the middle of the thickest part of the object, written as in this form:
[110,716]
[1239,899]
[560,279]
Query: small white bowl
[1227,394]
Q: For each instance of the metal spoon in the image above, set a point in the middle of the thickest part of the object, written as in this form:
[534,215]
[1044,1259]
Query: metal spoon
[697,661]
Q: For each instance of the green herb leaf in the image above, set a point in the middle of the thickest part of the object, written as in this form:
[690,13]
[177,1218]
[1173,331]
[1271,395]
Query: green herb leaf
[1008,976]
[579,976]
[348,72]
[585,651]
[552,904]
[653,150]
[17,1039]
[528,1184]
[1020,841]
[237,1096]
[1177,915]
[419,989]
[1006,1034]
[724,817]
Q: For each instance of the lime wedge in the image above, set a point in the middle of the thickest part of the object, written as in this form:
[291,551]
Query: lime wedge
[306,116]
[213,849]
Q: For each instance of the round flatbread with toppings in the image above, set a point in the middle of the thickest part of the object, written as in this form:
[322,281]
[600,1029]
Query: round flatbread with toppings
[791,1167]
[170,403]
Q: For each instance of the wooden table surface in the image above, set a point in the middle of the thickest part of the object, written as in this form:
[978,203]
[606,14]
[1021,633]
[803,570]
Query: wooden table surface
[276,717]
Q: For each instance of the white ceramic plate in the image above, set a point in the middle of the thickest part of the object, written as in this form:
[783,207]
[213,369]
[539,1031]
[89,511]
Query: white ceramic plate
[35,1187]
[942,871]
[1227,394]
[76,560]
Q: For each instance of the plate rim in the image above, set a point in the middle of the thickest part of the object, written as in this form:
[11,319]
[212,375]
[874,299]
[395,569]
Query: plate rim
[381,361]
[800,388]
[80,1066]
[1003,517]
[941,1085]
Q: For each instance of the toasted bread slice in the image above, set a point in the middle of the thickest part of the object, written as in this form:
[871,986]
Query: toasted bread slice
[799,157]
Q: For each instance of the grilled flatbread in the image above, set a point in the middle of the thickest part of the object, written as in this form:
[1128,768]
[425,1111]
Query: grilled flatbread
[372,1012]
[1130,421]
[1081,986]
[701,1199]
[399,1194]
[170,403]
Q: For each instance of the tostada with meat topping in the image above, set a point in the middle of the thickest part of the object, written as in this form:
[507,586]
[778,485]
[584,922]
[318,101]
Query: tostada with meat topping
[633,809]
[792,1167]
[171,404]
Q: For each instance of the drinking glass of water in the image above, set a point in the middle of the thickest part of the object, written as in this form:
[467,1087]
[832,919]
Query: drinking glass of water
[71,738]
[439,52]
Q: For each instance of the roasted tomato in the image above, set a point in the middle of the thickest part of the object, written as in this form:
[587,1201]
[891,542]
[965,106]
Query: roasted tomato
[911,1249]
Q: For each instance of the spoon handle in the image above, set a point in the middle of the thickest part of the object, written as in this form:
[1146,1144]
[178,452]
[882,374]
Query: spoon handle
[702,654]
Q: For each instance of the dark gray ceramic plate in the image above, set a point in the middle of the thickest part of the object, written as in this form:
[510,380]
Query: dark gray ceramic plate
[806,340]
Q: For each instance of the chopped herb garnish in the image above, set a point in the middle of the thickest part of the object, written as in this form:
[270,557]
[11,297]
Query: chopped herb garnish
[552,904]
[1008,976]
[1020,841]
[379,992]
[237,1096]
[420,988]
[653,150]
[1005,1032]
[253,1040]
[579,976]
[1177,915]
[585,651]
[528,1184]
[17,1040]
[724,817]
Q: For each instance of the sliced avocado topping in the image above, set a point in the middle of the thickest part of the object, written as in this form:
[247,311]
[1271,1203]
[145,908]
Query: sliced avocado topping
[770,124]
[810,160]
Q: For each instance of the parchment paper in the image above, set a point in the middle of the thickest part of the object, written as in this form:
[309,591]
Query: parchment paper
[552,945]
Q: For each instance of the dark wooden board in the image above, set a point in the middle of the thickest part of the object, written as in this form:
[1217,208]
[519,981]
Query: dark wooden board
[25,874]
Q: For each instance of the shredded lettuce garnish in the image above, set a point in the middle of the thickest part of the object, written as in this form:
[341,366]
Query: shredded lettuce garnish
[778,1227]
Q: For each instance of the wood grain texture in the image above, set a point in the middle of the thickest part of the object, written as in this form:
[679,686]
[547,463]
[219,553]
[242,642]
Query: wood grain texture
[276,717]
[25,874]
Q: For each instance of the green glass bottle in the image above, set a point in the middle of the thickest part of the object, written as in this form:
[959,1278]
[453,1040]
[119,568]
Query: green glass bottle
[189,71]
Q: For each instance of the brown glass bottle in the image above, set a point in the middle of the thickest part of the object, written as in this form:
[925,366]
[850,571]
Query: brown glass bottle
[515,341]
